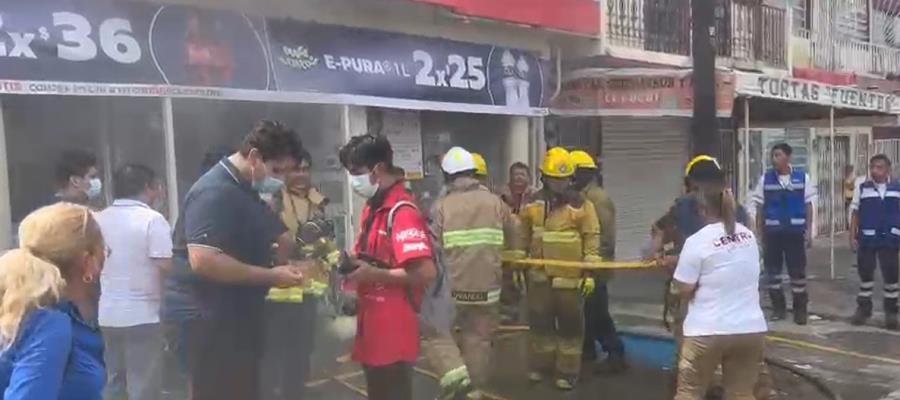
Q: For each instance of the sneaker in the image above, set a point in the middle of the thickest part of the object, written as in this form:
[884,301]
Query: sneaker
[565,384]
[535,377]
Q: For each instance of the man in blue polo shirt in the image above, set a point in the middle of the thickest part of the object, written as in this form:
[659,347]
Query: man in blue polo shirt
[229,243]
[783,200]
[875,234]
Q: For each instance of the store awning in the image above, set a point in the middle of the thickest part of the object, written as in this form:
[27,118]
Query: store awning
[815,93]
[643,92]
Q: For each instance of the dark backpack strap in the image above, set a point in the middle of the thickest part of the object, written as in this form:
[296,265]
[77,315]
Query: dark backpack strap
[390,234]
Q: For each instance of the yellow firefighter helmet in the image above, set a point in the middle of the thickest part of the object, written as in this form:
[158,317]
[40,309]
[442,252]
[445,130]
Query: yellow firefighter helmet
[582,159]
[558,163]
[480,165]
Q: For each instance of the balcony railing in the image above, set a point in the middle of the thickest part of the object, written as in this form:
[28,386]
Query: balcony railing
[841,54]
[745,29]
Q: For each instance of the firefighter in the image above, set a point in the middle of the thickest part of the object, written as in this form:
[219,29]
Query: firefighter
[784,199]
[875,234]
[291,313]
[481,170]
[670,231]
[562,225]
[471,225]
[599,325]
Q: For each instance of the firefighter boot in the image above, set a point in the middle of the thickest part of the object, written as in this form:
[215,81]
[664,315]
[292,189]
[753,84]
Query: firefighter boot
[863,311]
[801,314]
[890,314]
[779,304]
[613,364]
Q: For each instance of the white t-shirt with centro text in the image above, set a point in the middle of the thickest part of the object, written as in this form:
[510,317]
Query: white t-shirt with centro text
[131,282]
[725,269]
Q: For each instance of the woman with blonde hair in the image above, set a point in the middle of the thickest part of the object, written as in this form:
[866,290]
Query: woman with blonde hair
[50,345]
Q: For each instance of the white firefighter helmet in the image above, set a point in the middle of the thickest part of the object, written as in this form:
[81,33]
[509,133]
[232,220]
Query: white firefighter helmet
[457,160]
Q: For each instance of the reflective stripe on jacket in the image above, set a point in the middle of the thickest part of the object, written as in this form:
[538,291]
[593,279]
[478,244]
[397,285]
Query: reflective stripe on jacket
[879,218]
[567,233]
[785,206]
[474,228]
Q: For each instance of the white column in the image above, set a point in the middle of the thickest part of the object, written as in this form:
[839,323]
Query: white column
[515,146]
[354,122]
[6,225]
[745,152]
[171,166]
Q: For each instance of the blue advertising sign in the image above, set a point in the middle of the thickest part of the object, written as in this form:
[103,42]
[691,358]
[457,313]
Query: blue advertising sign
[112,47]
[315,57]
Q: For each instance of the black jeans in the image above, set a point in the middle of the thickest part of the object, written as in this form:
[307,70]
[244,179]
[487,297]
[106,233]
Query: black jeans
[887,258]
[389,382]
[785,248]
[225,354]
[599,325]
[289,333]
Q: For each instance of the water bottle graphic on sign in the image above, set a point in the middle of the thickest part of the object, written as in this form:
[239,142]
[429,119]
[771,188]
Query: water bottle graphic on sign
[510,80]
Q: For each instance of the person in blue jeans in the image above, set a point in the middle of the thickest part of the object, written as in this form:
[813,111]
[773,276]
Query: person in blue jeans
[50,344]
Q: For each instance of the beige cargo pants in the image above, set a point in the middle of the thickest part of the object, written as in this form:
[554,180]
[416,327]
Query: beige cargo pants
[740,357]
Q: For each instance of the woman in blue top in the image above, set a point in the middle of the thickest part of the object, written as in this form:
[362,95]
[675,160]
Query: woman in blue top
[50,346]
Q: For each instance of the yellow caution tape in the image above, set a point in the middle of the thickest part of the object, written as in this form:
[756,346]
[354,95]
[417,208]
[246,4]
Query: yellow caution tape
[589,265]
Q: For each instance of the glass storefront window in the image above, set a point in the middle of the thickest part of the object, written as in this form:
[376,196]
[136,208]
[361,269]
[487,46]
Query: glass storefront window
[40,128]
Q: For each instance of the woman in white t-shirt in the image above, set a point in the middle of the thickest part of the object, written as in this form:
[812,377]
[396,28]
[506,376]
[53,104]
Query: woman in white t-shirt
[718,273]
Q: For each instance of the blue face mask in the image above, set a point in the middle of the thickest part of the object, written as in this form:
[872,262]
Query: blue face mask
[269,185]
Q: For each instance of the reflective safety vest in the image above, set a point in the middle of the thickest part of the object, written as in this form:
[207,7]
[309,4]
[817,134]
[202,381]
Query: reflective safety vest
[566,233]
[879,218]
[473,227]
[785,206]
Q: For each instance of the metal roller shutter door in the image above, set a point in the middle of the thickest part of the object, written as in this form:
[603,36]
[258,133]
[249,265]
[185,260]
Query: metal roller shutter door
[643,163]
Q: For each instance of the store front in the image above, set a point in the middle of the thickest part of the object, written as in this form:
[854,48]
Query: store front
[164,85]
[637,122]
[828,126]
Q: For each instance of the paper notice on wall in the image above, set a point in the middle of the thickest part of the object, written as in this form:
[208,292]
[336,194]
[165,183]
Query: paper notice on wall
[404,130]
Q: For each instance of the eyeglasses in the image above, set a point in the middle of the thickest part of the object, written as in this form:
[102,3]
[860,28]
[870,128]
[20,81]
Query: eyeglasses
[107,251]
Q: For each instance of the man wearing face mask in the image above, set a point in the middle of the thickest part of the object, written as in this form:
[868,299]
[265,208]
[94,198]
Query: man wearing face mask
[77,178]
[393,262]
[229,236]
[141,251]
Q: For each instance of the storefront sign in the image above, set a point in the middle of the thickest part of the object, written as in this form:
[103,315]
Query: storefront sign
[637,91]
[802,91]
[312,57]
[121,48]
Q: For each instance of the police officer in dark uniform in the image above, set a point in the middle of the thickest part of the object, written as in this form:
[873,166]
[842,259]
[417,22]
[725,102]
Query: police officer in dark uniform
[784,198]
[875,234]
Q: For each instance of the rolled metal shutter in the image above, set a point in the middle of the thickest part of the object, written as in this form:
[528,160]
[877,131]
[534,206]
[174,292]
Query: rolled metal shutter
[643,166]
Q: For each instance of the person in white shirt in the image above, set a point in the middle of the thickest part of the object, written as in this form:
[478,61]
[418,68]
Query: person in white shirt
[717,273]
[140,241]
[783,203]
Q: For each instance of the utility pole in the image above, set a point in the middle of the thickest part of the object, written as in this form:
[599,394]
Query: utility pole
[704,125]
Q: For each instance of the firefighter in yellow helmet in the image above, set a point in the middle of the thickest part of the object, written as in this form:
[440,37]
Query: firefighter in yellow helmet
[599,324]
[481,170]
[562,225]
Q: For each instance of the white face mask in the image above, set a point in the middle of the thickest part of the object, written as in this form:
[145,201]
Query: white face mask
[363,186]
